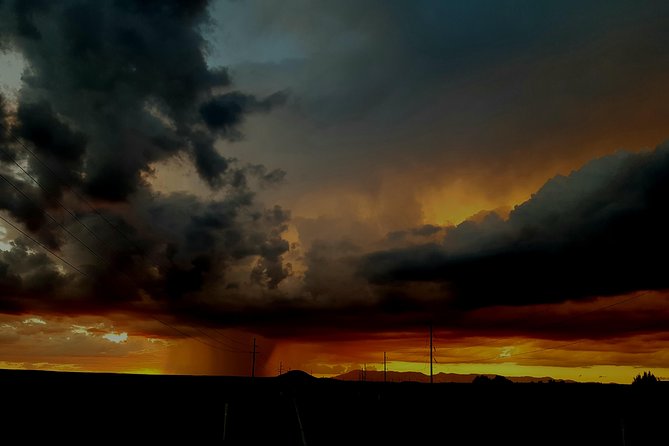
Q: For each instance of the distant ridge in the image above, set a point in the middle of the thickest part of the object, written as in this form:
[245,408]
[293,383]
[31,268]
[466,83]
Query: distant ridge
[296,376]
[375,375]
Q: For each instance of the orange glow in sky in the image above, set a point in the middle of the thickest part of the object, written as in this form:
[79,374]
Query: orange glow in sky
[331,181]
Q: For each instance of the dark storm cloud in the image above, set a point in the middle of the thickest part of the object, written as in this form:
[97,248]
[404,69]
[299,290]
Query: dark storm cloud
[113,88]
[209,164]
[351,58]
[599,231]
[110,89]
[266,178]
[225,112]
[29,272]
[131,77]
[39,124]
[482,91]
[55,142]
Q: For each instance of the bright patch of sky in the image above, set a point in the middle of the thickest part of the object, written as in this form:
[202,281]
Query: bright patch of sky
[80,329]
[12,64]
[34,321]
[116,338]
[506,352]
[4,245]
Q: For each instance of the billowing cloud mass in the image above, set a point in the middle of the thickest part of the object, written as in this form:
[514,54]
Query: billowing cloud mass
[599,231]
[428,111]
[110,89]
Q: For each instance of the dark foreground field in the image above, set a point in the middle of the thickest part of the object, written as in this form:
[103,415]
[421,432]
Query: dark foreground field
[73,408]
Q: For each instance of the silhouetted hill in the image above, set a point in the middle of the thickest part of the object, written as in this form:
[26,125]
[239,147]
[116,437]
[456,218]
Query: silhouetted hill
[486,380]
[294,409]
[376,376]
[296,376]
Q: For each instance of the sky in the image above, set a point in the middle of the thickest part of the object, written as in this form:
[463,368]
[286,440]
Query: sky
[332,178]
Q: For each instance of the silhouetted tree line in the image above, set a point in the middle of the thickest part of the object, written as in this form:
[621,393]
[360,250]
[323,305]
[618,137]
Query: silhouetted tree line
[482,379]
[645,379]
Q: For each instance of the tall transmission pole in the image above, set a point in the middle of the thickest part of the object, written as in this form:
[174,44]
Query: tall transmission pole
[253,364]
[431,377]
[385,369]
[280,368]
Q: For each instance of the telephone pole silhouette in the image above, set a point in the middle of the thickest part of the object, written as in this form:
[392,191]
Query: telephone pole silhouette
[280,368]
[385,369]
[431,377]
[253,364]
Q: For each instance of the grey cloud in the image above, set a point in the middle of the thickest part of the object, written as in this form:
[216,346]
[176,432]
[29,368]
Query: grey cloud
[425,231]
[266,178]
[111,89]
[580,236]
[331,278]
[126,79]
[224,113]
[499,95]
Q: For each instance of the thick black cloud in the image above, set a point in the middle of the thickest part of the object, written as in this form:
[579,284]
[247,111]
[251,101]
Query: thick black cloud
[61,147]
[110,89]
[38,124]
[113,88]
[129,76]
[599,231]
[225,112]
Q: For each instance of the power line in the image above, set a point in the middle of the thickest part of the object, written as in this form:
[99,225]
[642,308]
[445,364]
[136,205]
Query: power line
[62,226]
[204,333]
[83,199]
[62,259]
[72,214]
[115,227]
[90,206]
[230,338]
[77,194]
[16,188]
[188,335]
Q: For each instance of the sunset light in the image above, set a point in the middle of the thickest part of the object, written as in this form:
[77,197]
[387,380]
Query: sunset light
[116,338]
[220,203]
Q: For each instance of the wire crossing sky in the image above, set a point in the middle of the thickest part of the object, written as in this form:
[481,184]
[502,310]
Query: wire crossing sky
[179,178]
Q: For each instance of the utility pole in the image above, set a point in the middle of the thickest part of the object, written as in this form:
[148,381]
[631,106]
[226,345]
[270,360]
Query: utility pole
[384,368]
[225,422]
[431,378]
[280,368]
[253,366]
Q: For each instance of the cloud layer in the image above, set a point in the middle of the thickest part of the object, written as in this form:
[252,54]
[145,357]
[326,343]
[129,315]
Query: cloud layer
[598,231]
[114,90]
[111,89]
